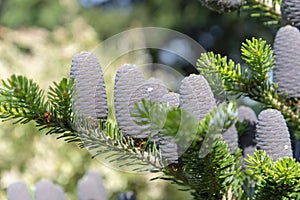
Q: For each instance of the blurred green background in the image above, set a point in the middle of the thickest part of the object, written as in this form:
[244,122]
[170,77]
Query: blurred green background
[38,39]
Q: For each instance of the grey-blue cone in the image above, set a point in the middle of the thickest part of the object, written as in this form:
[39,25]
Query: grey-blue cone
[196,96]
[128,80]
[131,88]
[171,99]
[167,144]
[287,52]
[290,10]
[230,136]
[272,134]
[246,114]
[90,99]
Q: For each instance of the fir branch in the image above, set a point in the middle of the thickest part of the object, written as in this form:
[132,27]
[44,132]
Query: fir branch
[209,177]
[60,111]
[267,11]
[237,181]
[23,100]
[192,169]
[106,141]
[216,175]
[60,98]
[162,118]
[222,74]
[253,83]
[217,121]
[258,56]
[275,180]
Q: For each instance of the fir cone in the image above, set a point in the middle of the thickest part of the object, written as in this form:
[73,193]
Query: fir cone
[230,136]
[91,186]
[126,196]
[246,114]
[131,88]
[18,190]
[196,96]
[290,10]
[287,52]
[247,151]
[128,80]
[171,99]
[46,189]
[169,149]
[90,99]
[167,144]
[151,90]
[272,134]
[221,6]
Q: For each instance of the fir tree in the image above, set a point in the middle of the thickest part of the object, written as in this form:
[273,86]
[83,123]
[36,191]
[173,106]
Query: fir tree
[210,167]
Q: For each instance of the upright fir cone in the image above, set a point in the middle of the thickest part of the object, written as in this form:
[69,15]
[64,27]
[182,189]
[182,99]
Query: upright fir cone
[128,80]
[126,196]
[196,96]
[221,6]
[290,10]
[287,52]
[247,151]
[167,144]
[230,136]
[169,149]
[152,89]
[131,88]
[90,99]
[246,114]
[272,134]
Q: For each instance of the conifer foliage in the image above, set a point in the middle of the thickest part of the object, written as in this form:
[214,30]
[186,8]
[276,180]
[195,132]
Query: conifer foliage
[187,136]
